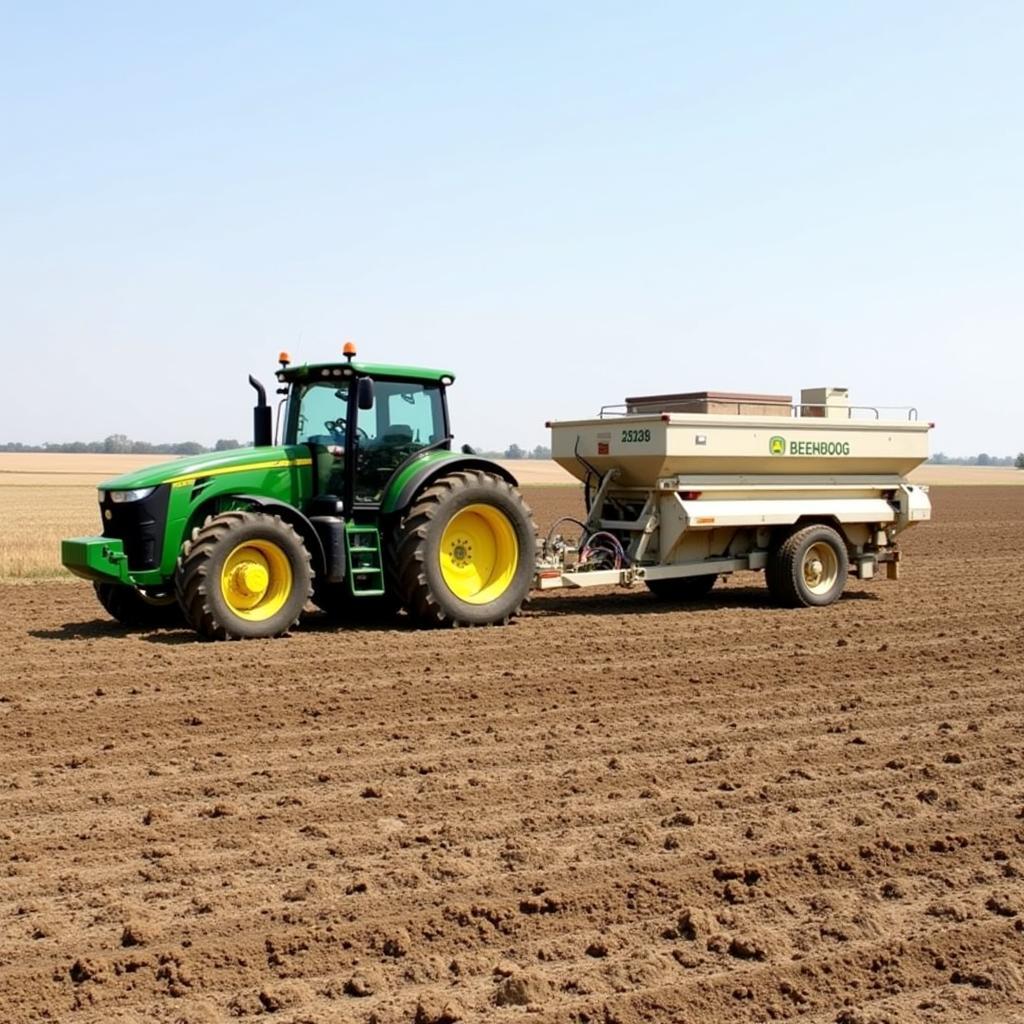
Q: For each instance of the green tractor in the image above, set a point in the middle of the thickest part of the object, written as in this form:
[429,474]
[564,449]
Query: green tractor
[362,505]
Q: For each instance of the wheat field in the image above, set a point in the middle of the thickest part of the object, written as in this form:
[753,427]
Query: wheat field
[45,498]
[36,519]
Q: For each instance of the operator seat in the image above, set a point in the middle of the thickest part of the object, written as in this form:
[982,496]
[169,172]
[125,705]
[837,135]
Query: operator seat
[380,457]
[396,435]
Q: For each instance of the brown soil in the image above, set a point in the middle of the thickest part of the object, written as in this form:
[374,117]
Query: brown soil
[612,810]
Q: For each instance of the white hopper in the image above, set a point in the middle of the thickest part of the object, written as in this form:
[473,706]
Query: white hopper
[651,447]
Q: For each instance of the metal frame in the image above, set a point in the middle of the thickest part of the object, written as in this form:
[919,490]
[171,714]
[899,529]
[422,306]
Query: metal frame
[890,506]
[793,409]
[633,575]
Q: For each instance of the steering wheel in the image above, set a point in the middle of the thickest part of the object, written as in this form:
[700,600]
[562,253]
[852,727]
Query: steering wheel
[340,427]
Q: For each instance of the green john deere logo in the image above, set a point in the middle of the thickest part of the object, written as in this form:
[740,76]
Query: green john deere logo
[777,445]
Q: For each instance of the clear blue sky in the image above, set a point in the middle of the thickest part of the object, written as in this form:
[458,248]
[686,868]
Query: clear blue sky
[564,203]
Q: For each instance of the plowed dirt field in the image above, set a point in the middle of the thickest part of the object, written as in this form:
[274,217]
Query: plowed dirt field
[612,810]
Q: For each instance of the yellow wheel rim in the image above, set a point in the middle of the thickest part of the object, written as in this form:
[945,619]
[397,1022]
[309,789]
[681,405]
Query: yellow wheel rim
[479,554]
[256,580]
[820,568]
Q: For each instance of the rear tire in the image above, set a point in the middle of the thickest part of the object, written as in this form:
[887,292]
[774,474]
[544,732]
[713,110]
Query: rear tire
[682,588]
[809,568]
[136,608]
[243,575]
[465,552]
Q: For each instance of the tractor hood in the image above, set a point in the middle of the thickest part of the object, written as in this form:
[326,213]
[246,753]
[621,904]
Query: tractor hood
[210,464]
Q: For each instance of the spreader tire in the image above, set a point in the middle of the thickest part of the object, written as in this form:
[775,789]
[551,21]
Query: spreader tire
[465,552]
[243,575]
[809,568]
[682,588]
[138,609]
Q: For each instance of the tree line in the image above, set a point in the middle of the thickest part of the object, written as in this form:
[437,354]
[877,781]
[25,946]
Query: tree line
[513,451]
[982,459]
[120,444]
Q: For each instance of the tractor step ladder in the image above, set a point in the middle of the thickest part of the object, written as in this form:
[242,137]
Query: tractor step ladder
[365,566]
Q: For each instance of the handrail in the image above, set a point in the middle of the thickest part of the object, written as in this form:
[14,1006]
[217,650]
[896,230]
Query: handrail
[795,409]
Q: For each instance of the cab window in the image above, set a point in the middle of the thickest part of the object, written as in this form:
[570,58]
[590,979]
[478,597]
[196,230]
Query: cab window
[405,417]
[403,414]
[321,414]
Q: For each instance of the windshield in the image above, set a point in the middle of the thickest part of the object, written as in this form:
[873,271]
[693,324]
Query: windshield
[319,417]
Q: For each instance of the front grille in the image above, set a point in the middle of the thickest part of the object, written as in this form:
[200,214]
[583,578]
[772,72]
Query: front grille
[139,525]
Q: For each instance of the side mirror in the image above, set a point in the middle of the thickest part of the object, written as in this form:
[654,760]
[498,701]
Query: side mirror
[365,393]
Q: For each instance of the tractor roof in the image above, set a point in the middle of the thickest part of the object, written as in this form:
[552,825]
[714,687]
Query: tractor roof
[314,371]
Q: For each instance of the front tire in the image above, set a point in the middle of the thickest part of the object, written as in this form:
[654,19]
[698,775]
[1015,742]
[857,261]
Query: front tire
[809,568]
[465,552]
[138,609]
[242,576]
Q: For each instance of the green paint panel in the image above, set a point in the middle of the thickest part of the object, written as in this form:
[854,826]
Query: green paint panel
[431,464]
[196,465]
[390,497]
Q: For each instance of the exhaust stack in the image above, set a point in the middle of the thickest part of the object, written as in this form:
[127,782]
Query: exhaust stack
[262,418]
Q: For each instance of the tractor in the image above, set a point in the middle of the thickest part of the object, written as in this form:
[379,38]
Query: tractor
[362,504]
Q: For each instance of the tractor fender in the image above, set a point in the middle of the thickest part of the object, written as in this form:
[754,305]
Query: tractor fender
[399,499]
[290,514]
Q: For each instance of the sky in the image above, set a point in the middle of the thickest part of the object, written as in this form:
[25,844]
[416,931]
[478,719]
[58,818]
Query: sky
[562,203]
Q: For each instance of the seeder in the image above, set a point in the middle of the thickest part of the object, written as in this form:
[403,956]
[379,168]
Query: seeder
[681,489]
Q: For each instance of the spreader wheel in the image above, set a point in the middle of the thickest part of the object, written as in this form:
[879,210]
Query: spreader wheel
[465,552]
[243,575]
[809,568]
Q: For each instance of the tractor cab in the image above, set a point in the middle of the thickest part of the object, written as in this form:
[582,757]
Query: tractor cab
[362,422]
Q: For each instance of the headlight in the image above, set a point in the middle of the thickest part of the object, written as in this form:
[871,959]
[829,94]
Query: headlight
[119,496]
[101,495]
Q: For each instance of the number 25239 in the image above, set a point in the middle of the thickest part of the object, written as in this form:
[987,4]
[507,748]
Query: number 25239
[636,436]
